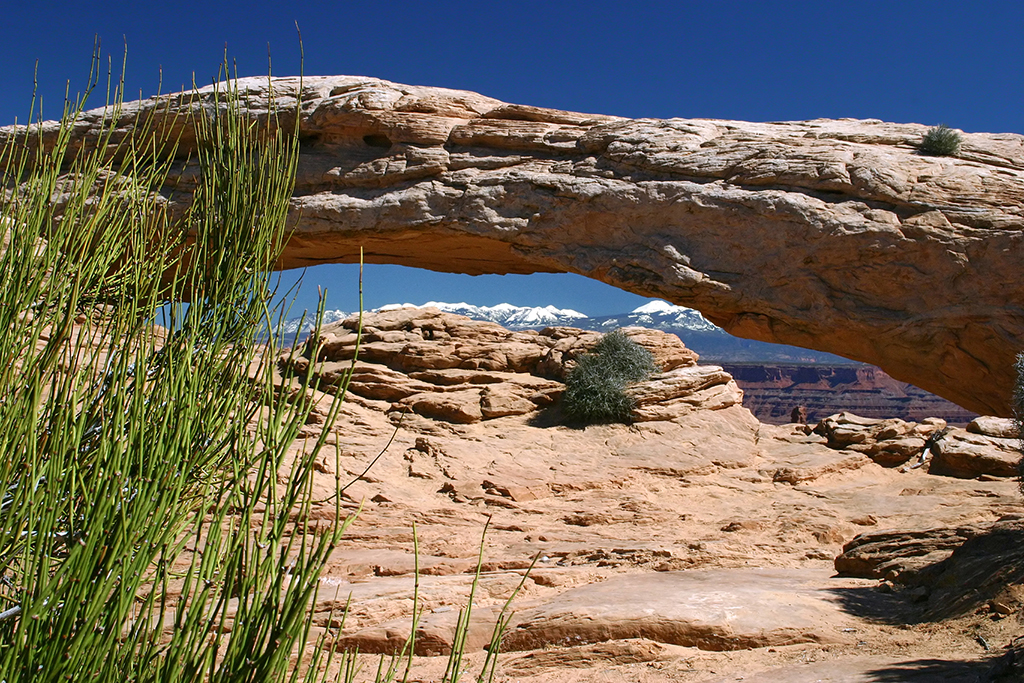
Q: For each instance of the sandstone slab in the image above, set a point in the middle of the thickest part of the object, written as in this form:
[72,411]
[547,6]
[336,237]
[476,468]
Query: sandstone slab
[597,655]
[872,670]
[711,610]
[435,633]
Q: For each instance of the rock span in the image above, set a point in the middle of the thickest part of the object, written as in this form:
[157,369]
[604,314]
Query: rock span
[832,235]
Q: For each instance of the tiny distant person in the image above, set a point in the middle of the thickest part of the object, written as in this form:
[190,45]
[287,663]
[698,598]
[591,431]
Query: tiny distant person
[798,415]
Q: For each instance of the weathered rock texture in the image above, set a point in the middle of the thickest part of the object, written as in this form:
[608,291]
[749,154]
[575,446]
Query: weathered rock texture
[689,546]
[698,544]
[447,367]
[833,235]
[981,451]
[953,570]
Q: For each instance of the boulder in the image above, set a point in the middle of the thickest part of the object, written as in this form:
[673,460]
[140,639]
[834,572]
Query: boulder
[684,390]
[668,350]
[999,427]
[890,443]
[952,570]
[890,553]
[967,455]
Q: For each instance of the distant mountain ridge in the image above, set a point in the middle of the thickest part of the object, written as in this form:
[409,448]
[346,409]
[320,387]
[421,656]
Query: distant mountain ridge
[506,315]
[707,339]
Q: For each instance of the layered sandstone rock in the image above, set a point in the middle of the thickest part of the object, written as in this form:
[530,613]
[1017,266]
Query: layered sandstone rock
[952,570]
[834,235]
[960,453]
[447,367]
[888,442]
[663,542]
[950,451]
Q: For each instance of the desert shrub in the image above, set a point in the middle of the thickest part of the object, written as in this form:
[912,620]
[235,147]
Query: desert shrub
[941,141]
[596,387]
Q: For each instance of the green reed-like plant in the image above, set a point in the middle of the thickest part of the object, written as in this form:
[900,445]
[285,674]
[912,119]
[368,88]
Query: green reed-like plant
[154,507]
[145,532]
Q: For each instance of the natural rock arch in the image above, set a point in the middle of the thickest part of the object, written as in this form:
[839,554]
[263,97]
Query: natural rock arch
[833,235]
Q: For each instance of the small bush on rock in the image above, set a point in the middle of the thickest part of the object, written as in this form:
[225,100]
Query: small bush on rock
[595,389]
[941,141]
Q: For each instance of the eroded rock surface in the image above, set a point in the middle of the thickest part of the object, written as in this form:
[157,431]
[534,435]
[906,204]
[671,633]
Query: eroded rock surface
[704,609]
[833,235]
[697,545]
[888,442]
[982,450]
[950,571]
[447,367]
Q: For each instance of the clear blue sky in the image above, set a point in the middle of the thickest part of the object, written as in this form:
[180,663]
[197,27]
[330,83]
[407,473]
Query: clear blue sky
[929,62]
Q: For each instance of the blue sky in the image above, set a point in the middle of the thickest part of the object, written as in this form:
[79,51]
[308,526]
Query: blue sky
[927,62]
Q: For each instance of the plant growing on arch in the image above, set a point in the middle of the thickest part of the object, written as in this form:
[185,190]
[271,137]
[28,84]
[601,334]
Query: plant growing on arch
[941,141]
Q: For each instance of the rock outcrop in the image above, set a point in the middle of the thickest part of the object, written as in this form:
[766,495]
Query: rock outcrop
[833,235]
[952,570]
[981,450]
[448,367]
[698,543]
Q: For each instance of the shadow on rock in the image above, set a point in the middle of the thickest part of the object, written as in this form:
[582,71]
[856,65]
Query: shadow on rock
[927,670]
[941,573]
[873,605]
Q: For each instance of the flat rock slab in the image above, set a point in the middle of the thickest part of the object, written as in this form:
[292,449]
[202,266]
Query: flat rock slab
[872,670]
[719,609]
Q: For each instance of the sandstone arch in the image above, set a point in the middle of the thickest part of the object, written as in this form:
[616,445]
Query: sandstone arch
[829,234]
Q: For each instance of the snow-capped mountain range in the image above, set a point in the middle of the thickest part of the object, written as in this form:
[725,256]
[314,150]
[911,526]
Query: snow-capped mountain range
[707,339]
[655,314]
[506,315]
[660,315]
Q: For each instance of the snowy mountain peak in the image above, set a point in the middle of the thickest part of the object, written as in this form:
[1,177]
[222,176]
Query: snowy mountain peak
[658,306]
[696,332]
[503,314]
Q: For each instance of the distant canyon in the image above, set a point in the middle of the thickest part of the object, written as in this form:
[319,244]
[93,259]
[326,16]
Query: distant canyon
[771,391]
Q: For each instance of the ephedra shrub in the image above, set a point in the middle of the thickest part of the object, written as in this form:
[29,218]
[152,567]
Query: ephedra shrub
[596,387]
[941,141]
[144,534]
